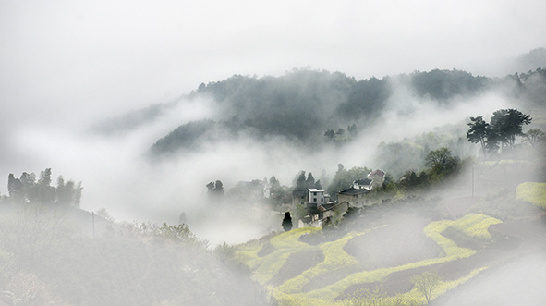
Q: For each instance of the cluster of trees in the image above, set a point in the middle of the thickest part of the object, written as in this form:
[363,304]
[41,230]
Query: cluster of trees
[215,190]
[254,191]
[279,194]
[440,163]
[331,134]
[303,105]
[442,85]
[303,183]
[27,189]
[366,99]
[500,133]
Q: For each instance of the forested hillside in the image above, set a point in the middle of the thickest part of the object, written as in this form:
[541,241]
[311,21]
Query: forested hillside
[304,105]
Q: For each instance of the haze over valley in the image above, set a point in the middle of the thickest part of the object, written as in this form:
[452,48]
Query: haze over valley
[276,154]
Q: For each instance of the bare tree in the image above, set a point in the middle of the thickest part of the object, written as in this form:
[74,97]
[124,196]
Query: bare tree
[426,283]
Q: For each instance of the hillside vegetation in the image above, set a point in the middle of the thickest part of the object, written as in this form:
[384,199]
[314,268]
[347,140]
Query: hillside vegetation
[48,256]
[303,105]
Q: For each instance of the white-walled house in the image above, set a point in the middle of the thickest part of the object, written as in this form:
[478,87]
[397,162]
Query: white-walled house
[318,197]
[362,184]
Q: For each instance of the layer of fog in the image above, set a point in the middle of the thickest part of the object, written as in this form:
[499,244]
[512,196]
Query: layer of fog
[517,283]
[117,174]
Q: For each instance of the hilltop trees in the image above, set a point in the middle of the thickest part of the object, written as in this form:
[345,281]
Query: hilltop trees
[303,183]
[27,189]
[442,85]
[505,125]
[478,131]
[14,187]
[342,134]
[330,134]
[68,192]
[366,99]
[215,190]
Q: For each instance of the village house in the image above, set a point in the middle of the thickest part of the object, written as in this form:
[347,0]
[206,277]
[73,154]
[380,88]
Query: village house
[320,209]
[355,196]
[313,201]
[318,197]
[329,210]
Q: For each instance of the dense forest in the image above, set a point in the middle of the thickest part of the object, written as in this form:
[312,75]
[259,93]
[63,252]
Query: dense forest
[311,107]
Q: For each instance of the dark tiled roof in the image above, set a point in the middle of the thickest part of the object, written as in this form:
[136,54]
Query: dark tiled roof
[354,191]
[327,206]
[363,182]
[313,211]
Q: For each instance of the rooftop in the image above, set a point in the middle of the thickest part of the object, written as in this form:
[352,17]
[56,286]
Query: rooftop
[354,191]
[365,181]
[378,172]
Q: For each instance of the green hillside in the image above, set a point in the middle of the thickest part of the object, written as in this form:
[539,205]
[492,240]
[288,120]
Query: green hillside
[303,104]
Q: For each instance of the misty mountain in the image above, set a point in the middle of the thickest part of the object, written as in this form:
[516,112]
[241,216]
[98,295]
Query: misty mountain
[443,85]
[186,136]
[531,87]
[301,105]
[530,61]
[295,106]
[133,119]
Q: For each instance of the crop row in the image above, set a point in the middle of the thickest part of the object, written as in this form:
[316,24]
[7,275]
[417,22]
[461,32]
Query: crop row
[532,192]
[335,259]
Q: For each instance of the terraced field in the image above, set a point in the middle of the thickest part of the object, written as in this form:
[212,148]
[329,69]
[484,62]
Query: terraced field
[306,266]
[532,192]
